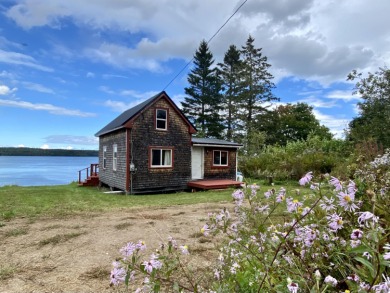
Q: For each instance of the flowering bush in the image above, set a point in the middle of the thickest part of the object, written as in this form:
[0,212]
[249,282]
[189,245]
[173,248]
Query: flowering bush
[333,239]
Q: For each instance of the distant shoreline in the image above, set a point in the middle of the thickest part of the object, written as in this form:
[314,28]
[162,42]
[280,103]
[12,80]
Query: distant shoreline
[23,151]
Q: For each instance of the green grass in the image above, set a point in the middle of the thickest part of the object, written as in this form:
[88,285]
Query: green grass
[16,232]
[60,238]
[67,200]
[6,271]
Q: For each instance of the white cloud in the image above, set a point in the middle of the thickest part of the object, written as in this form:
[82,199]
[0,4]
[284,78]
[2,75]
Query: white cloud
[45,147]
[90,74]
[346,96]
[5,90]
[336,125]
[312,39]
[45,107]
[37,87]
[21,59]
[71,140]
[119,106]
[122,57]
[318,103]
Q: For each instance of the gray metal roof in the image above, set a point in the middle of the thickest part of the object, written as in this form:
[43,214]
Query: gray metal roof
[214,141]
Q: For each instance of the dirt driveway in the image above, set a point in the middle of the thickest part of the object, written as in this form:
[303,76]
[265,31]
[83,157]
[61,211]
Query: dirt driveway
[75,254]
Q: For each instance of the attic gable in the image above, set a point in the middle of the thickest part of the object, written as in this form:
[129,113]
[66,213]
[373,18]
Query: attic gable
[125,119]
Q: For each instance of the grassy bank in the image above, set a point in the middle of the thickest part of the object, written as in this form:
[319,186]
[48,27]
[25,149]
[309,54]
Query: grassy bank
[66,200]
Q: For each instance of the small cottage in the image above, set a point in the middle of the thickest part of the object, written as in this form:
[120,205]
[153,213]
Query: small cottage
[151,148]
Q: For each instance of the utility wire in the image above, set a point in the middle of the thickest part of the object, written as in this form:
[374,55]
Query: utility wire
[213,36]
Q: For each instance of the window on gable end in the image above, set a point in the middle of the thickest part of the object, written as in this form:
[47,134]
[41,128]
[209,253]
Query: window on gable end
[161,119]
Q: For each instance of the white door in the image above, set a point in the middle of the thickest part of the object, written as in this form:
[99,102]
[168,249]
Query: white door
[197,162]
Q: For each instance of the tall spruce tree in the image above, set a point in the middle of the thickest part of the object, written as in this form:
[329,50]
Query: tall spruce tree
[256,85]
[230,78]
[202,104]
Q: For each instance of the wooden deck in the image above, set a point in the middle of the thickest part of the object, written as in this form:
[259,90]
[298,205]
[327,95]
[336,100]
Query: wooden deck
[213,184]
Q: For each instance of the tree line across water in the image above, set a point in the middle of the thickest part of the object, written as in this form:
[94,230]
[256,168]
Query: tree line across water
[24,151]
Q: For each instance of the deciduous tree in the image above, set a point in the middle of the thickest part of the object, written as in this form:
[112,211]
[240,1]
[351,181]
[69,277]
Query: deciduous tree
[373,121]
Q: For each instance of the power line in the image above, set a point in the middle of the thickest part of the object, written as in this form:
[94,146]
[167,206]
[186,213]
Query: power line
[212,37]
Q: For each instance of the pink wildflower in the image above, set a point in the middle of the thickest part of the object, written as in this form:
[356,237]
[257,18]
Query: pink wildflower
[172,242]
[306,179]
[383,287]
[336,183]
[205,230]
[293,205]
[269,193]
[356,234]
[331,281]
[140,245]
[152,264]
[346,200]
[355,243]
[366,217]
[293,287]
[351,187]
[367,255]
[281,195]
[118,274]
[335,222]
[354,278]
[327,204]
[184,249]
[128,249]
[238,197]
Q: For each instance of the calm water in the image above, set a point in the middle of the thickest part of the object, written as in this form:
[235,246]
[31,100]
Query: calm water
[35,171]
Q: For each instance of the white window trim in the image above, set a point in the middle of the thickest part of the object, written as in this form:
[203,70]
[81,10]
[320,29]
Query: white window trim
[220,158]
[161,119]
[104,157]
[115,157]
[161,149]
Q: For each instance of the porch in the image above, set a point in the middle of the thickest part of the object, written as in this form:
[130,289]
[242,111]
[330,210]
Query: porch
[213,184]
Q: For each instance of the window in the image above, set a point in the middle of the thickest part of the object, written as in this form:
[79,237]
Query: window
[104,157]
[161,119]
[161,158]
[115,157]
[220,158]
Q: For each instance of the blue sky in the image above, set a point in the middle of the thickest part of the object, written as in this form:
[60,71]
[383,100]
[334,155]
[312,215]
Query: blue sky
[69,67]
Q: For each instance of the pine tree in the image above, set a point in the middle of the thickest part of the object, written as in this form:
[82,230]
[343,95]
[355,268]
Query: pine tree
[230,77]
[202,105]
[256,84]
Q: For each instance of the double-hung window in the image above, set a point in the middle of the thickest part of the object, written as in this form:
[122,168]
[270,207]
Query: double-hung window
[161,157]
[220,158]
[115,157]
[104,157]
[161,119]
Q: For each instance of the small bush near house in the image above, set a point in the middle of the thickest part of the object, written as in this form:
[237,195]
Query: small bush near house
[293,160]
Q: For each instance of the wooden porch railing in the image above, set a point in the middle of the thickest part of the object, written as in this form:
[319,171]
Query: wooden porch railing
[93,170]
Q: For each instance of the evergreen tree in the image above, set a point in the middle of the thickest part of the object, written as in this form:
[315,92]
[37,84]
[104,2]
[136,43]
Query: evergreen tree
[256,85]
[230,77]
[202,104]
